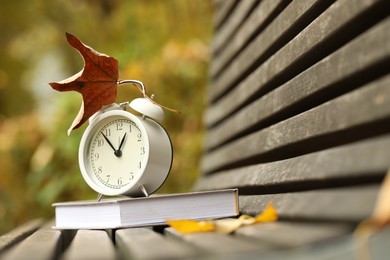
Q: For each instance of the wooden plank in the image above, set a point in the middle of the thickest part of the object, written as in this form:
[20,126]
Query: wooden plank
[350,163]
[91,244]
[331,30]
[284,22]
[143,243]
[340,248]
[237,16]
[256,22]
[67,236]
[378,244]
[215,243]
[18,234]
[223,11]
[359,108]
[346,204]
[218,4]
[284,234]
[45,243]
[340,71]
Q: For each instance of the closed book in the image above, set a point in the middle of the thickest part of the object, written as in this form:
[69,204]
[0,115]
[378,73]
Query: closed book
[146,211]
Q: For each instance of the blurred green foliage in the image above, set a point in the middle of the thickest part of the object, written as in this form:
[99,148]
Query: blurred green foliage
[162,43]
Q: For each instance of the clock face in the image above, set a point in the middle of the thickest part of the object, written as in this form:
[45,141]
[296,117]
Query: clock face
[116,153]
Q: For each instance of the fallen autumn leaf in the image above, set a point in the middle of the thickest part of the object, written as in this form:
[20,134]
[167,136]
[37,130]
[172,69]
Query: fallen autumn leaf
[97,81]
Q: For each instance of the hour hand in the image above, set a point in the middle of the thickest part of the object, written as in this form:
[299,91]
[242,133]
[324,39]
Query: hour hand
[108,141]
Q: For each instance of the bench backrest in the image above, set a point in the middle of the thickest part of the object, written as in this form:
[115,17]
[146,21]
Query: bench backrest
[299,106]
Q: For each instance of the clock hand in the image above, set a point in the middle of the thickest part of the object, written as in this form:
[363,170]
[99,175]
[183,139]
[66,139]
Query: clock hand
[118,152]
[122,141]
[108,141]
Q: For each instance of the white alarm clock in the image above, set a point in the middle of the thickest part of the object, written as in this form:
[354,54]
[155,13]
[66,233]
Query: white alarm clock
[121,153]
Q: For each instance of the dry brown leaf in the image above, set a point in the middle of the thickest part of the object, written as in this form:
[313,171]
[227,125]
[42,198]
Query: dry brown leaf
[97,81]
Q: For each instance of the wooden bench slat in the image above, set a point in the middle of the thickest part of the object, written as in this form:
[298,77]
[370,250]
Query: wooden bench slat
[291,235]
[329,31]
[378,244]
[327,76]
[218,4]
[45,243]
[358,161]
[361,107]
[216,243]
[259,46]
[222,13]
[230,26]
[255,22]
[18,234]
[144,243]
[90,244]
[346,204]
[340,248]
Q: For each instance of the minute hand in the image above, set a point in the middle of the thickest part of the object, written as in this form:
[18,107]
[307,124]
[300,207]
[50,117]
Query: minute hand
[108,141]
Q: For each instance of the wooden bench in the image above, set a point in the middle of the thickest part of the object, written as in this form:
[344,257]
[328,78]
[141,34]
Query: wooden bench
[298,114]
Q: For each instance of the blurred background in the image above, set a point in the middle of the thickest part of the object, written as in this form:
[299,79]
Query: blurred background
[164,44]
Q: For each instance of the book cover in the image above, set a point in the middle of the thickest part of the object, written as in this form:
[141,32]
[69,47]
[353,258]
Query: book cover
[146,211]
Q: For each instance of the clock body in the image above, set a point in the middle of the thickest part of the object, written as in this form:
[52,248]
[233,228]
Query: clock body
[124,154]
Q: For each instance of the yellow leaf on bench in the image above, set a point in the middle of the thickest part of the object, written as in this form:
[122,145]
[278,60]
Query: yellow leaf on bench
[224,226]
[185,226]
[268,215]
[381,213]
[227,226]
[379,219]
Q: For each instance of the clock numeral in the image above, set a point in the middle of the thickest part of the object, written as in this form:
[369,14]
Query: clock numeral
[96,156]
[130,128]
[119,126]
[139,137]
[142,150]
[107,132]
[131,176]
[108,177]
[140,165]
[120,181]
[100,169]
[100,142]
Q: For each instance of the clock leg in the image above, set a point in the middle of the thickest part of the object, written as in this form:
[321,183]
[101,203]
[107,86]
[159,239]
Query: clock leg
[99,197]
[142,188]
